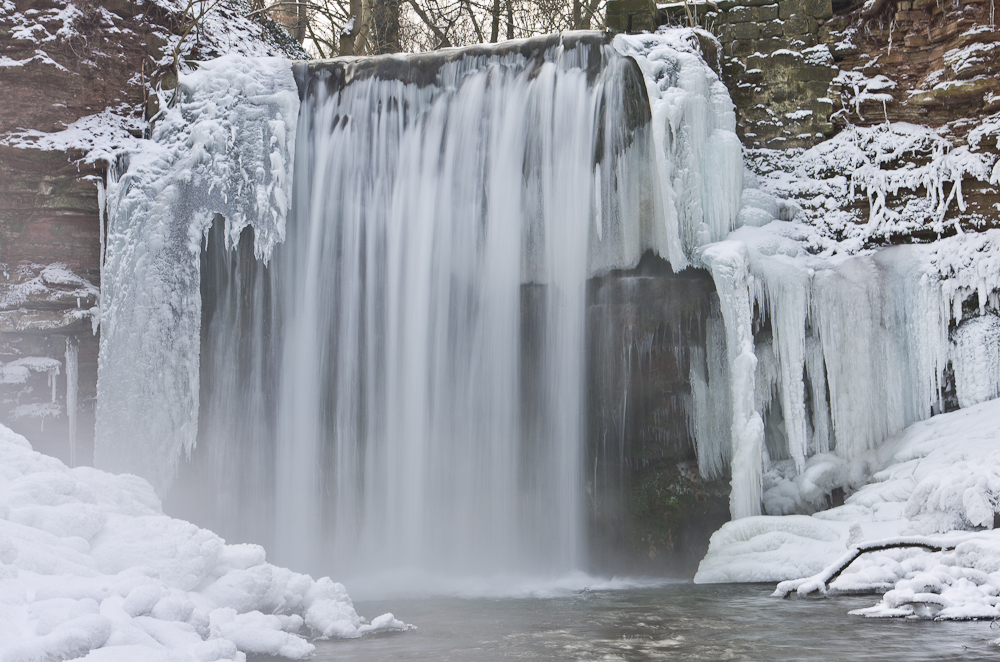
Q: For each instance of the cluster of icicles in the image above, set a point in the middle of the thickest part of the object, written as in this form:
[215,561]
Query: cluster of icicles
[850,350]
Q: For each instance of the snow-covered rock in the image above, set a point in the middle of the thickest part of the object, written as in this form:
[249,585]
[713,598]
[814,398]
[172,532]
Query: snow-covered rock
[936,477]
[90,566]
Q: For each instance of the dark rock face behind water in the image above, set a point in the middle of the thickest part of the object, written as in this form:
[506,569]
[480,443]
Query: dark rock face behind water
[649,510]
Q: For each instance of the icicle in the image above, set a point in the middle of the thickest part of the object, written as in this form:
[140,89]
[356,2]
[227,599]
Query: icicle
[817,385]
[712,412]
[728,261]
[786,287]
[102,210]
[72,386]
[975,356]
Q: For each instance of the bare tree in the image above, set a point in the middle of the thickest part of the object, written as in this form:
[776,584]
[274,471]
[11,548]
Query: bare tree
[374,27]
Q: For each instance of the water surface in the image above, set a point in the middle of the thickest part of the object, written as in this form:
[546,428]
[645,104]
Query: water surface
[673,622]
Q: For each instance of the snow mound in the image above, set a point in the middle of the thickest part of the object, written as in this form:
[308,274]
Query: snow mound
[936,478]
[90,567]
[767,549]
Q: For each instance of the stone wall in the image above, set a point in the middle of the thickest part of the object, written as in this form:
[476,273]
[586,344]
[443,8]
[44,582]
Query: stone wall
[778,69]
[63,69]
[783,63]
[649,510]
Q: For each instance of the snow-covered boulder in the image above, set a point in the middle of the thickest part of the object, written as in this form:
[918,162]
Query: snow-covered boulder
[90,566]
[936,478]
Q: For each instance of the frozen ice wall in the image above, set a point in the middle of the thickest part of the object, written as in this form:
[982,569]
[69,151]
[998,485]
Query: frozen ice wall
[848,349]
[224,148]
[698,158]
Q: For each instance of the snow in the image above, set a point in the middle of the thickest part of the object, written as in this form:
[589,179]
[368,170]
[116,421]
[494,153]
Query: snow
[39,56]
[17,372]
[226,148]
[936,483]
[885,164]
[100,137]
[91,568]
[50,283]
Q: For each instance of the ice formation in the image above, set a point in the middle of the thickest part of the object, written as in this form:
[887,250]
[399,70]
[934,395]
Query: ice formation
[937,482]
[72,393]
[226,148]
[89,563]
[976,360]
[860,345]
[729,262]
[698,157]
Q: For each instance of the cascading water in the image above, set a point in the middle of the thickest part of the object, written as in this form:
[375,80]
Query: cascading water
[402,385]
[424,205]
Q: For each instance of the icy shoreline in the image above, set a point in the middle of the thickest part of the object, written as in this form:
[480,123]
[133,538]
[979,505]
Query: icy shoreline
[937,480]
[91,568]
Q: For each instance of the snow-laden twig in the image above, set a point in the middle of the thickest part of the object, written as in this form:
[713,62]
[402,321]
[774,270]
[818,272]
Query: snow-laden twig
[819,582]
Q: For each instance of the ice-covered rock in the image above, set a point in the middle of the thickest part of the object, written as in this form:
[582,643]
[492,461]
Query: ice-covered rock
[225,148]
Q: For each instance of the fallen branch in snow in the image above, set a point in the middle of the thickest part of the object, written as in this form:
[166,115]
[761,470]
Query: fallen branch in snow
[820,580]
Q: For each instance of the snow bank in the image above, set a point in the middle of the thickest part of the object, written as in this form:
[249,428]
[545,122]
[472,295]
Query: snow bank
[767,549]
[936,478]
[90,567]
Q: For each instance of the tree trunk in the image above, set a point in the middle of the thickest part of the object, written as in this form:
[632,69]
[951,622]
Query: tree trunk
[510,19]
[495,30]
[301,20]
[349,41]
[385,26]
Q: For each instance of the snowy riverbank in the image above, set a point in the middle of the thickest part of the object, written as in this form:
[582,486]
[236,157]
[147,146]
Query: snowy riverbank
[939,478]
[90,566]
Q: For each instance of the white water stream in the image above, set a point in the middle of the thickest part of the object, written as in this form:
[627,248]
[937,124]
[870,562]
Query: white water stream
[402,387]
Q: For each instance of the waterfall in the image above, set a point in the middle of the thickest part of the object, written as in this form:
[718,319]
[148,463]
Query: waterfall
[432,295]
[394,377]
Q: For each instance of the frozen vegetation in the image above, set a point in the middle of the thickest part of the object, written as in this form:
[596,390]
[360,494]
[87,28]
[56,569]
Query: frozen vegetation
[91,568]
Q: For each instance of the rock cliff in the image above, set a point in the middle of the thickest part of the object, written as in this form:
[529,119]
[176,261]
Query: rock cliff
[78,80]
